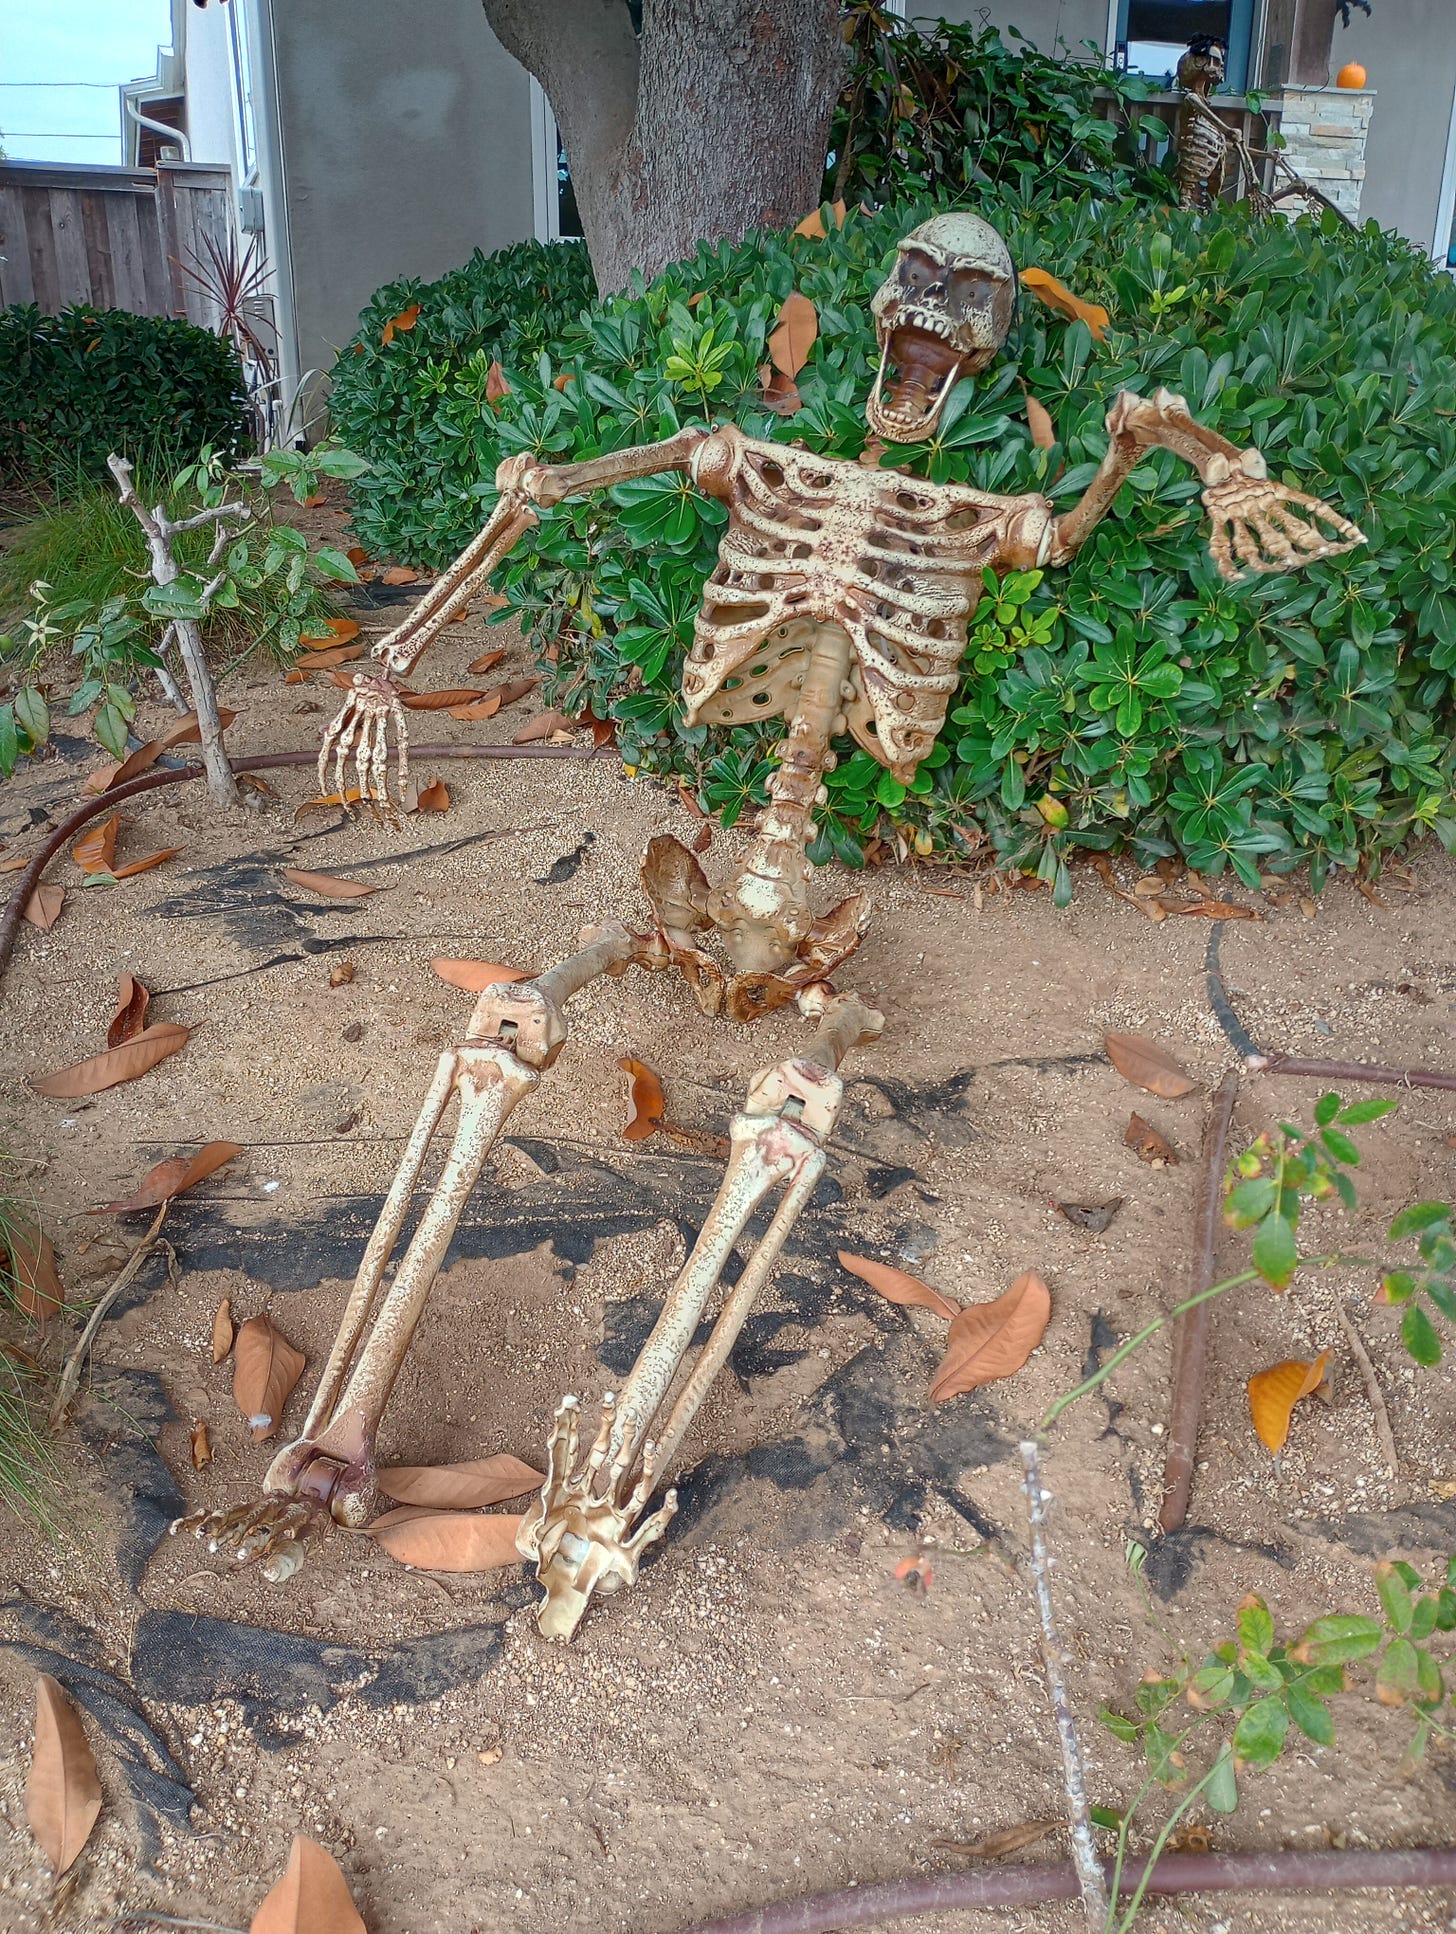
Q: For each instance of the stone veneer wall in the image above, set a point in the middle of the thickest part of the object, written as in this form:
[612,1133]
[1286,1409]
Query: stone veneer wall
[1324,131]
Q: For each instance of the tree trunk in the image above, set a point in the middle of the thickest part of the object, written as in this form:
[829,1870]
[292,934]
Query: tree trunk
[713,123]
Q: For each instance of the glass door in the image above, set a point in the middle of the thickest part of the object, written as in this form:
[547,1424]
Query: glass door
[1152,35]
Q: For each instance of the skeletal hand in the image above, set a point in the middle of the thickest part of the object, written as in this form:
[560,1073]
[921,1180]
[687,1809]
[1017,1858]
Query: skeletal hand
[362,726]
[1258,526]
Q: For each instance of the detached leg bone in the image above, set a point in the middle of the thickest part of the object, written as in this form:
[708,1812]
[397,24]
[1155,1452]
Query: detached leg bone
[583,1531]
[516,1032]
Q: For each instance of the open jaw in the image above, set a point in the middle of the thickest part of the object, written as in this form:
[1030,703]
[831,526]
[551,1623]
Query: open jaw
[918,370]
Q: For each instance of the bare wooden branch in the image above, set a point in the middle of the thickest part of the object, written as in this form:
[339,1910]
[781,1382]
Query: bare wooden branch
[1384,1435]
[71,1375]
[236,512]
[1090,1877]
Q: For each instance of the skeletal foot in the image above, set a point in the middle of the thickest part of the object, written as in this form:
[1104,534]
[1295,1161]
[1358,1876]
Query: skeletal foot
[270,1528]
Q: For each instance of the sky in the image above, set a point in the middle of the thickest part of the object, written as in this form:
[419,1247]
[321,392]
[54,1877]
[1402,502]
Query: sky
[103,42]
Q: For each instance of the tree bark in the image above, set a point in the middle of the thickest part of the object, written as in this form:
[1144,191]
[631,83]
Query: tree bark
[713,123]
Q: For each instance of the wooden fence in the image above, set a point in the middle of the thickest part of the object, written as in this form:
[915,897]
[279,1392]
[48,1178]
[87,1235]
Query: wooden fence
[1252,126]
[114,238]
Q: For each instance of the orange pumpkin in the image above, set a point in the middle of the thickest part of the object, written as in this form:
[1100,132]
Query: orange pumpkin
[1351,75]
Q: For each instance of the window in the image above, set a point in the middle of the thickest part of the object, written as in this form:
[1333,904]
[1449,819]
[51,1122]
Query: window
[555,199]
[1152,35]
[243,96]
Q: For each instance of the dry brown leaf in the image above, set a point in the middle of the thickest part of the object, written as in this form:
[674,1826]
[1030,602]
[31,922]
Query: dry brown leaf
[398,325]
[440,701]
[1274,1392]
[37,1281]
[1094,1217]
[188,732]
[434,799]
[696,1141]
[603,731]
[514,689]
[453,1541]
[62,1794]
[341,973]
[323,658]
[496,386]
[996,1846]
[992,1340]
[460,1487]
[201,1447]
[486,708]
[352,796]
[487,661]
[96,848]
[1148,1065]
[812,226]
[134,1057]
[326,884]
[896,1287]
[543,726]
[265,1368]
[1220,910]
[566,377]
[793,335]
[399,574]
[331,631]
[357,555]
[145,863]
[135,762]
[1148,1145]
[131,1011]
[222,1330]
[474,975]
[703,838]
[43,908]
[101,777]
[647,1102]
[15,864]
[1043,430]
[312,1897]
[780,392]
[171,1177]
[1057,296]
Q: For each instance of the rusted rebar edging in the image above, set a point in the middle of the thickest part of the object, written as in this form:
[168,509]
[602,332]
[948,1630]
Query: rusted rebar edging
[1192,1339]
[1017,1886]
[30,879]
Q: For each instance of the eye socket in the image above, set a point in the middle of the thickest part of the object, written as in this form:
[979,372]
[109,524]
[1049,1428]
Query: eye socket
[918,271]
[973,288]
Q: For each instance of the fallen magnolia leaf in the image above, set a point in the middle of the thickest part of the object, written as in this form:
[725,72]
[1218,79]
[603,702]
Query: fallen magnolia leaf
[1092,1216]
[452,1541]
[331,631]
[1148,1065]
[357,555]
[441,701]
[131,1011]
[703,838]
[95,850]
[460,1487]
[15,864]
[1043,430]
[996,1846]
[327,884]
[991,1340]
[793,335]
[780,392]
[146,863]
[487,661]
[324,659]
[62,1794]
[399,574]
[315,501]
[1056,295]
[100,1071]
[35,1280]
[475,975]
[1219,910]
[647,1102]
[434,799]
[171,1177]
[351,797]
[696,1141]
[496,386]
[341,973]
[188,732]
[1148,1145]
[545,725]
[265,1368]
[201,1447]
[485,708]
[134,762]
[312,1897]
[399,325]
[222,1330]
[513,690]
[43,908]
[896,1287]
[1274,1392]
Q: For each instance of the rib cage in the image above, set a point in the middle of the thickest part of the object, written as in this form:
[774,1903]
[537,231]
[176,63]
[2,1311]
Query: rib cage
[894,560]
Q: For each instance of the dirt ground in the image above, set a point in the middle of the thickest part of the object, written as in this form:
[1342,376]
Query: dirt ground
[769,1712]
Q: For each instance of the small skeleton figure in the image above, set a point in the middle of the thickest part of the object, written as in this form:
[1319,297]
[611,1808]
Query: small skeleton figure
[1203,141]
[841,600]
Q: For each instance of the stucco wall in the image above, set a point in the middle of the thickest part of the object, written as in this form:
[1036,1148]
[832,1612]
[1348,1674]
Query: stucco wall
[1042,21]
[1408,49]
[406,135]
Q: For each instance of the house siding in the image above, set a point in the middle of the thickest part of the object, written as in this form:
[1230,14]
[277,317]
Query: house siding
[406,144]
[1409,54]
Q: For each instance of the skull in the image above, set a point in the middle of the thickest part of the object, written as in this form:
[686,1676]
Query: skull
[1201,70]
[943,314]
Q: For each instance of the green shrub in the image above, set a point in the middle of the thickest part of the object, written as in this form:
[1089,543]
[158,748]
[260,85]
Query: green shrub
[935,108]
[77,386]
[1297,718]
[415,405]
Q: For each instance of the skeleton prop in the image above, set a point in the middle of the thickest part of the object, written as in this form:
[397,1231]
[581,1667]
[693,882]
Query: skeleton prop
[840,601]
